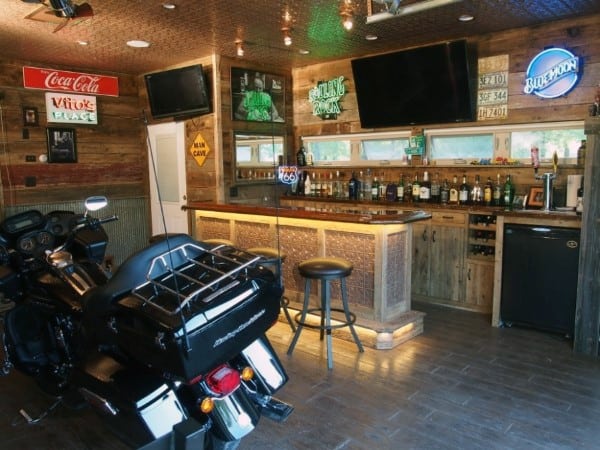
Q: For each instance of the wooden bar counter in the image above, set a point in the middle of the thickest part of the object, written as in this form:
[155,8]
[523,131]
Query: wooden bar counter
[377,243]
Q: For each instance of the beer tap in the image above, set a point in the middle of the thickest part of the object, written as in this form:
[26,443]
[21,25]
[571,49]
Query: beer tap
[547,178]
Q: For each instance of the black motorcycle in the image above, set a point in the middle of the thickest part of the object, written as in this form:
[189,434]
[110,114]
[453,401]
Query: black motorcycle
[170,349]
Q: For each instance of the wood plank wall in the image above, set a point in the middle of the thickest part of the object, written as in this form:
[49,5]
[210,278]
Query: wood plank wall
[520,44]
[110,156]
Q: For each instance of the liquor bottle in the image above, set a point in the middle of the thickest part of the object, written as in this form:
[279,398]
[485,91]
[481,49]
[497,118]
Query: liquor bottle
[425,188]
[498,192]
[435,189]
[391,189]
[336,185]
[476,192]
[579,202]
[488,191]
[300,188]
[445,192]
[301,157]
[353,187]
[307,184]
[416,189]
[509,193]
[330,186]
[317,185]
[408,191]
[400,189]
[581,153]
[382,187]
[310,158]
[375,189]
[367,185]
[463,191]
[453,194]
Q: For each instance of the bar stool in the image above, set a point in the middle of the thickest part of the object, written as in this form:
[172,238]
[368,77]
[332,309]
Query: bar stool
[272,258]
[217,241]
[325,270]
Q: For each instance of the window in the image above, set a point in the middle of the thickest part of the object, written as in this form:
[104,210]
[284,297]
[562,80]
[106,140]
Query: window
[451,145]
[383,149]
[564,142]
[466,146]
[269,152]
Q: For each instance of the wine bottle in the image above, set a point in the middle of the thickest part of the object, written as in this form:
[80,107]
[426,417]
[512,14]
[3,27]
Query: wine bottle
[425,188]
[488,191]
[453,193]
[445,192]
[400,189]
[375,189]
[498,193]
[435,189]
[476,192]
[301,157]
[463,191]
[509,193]
[416,189]
[390,191]
[353,187]
[581,153]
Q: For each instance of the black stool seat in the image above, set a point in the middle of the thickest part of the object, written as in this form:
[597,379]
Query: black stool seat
[325,270]
[272,258]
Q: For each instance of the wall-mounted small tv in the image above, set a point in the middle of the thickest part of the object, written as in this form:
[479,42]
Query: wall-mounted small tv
[178,93]
[424,85]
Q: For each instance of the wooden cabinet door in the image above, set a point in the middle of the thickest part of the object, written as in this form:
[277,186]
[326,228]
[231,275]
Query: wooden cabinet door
[446,263]
[420,258]
[479,286]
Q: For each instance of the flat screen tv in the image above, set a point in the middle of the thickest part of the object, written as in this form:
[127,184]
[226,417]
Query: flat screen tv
[178,93]
[423,85]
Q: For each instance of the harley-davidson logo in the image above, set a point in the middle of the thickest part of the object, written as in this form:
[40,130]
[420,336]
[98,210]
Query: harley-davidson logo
[239,329]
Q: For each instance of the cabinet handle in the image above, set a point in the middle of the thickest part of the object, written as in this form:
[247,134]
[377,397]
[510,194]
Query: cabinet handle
[425,234]
[448,217]
[469,274]
[433,236]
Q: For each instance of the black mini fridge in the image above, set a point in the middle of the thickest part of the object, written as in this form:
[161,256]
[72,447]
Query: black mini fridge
[539,277]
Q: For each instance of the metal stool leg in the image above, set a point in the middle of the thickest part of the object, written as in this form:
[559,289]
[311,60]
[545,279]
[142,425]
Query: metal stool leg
[286,312]
[302,317]
[326,304]
[347,314]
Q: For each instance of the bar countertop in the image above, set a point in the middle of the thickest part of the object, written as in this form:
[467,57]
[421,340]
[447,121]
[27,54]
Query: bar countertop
[334,213]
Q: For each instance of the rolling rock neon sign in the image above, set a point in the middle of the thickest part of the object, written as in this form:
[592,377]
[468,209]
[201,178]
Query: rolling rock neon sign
[552,73]
[325,98]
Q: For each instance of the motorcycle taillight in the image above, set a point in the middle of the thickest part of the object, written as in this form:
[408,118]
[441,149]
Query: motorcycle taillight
[223,380]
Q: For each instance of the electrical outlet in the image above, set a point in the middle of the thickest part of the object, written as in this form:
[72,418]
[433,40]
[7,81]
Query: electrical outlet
[30,181]
[30,158]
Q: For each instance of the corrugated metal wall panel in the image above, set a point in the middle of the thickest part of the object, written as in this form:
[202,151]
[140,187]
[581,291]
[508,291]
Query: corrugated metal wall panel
[127,235]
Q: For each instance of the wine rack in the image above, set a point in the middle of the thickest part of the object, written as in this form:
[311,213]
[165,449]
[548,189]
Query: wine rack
[482,236]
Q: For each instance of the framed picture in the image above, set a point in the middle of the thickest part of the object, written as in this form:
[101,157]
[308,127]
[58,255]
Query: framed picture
[257,96]
[62,145]
[30,116]
[535,197]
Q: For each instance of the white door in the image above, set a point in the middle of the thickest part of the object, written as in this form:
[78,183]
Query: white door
[166,159]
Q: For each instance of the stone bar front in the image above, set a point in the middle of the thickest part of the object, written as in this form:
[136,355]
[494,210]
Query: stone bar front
[379,246]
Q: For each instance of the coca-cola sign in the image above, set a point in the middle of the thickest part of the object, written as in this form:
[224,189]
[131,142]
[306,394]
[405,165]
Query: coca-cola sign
[61,80]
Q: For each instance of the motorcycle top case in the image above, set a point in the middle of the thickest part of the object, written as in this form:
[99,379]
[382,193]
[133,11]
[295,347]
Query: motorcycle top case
[200,312]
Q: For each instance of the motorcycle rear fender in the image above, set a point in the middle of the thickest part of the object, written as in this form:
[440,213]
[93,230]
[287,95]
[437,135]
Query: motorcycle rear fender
[234,416]
[270,375]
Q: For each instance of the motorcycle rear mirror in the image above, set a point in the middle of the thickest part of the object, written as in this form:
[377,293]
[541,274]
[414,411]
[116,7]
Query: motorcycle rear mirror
[95,203]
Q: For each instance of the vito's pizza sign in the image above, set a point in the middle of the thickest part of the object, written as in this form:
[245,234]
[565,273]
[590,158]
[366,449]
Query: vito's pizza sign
[64,81]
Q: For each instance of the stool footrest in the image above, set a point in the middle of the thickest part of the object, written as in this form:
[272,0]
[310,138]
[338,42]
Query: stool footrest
[343,323]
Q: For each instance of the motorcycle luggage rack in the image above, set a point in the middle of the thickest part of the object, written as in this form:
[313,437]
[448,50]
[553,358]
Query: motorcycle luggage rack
[191,272]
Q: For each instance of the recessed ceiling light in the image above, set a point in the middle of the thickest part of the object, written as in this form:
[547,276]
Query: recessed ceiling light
[466,17]
[303,51]
[168,6]
[83,42]
[371,37]
[138,44]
